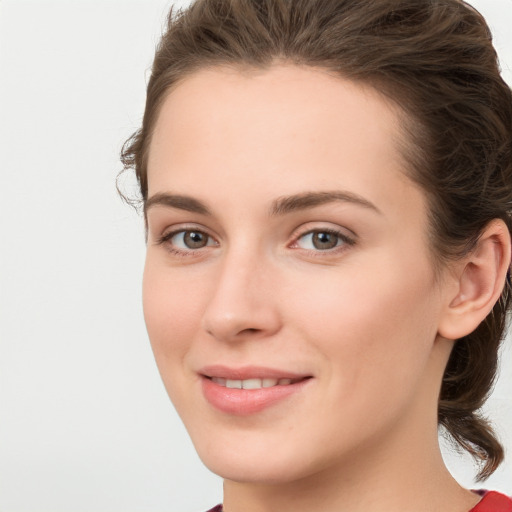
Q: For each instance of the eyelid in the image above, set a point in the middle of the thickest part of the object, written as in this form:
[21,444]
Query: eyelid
[172,231]
[169,231]
[346,238]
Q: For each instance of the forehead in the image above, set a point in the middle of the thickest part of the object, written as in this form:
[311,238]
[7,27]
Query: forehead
[246,107]
[290,128]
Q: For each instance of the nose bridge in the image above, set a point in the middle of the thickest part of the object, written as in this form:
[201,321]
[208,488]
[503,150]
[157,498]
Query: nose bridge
[240,305]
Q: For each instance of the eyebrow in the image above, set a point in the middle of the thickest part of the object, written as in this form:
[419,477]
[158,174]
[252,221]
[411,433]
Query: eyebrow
[180,202]
[281,206]
[308,200]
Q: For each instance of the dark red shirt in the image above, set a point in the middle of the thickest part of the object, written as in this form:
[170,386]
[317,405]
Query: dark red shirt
[491,501]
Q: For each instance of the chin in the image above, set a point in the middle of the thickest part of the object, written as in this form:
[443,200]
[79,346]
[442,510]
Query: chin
[249,471]
[257,459]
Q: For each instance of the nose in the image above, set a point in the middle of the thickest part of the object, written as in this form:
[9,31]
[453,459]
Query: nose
[243,303]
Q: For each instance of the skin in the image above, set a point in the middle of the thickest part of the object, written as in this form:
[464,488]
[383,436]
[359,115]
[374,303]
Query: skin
[367,320]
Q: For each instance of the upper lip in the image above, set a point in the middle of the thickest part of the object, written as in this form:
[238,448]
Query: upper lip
[249,372]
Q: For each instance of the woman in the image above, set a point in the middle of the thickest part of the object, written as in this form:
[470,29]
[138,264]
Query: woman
[326,186]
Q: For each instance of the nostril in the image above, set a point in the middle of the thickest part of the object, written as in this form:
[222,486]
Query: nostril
[251,330]
[236,320]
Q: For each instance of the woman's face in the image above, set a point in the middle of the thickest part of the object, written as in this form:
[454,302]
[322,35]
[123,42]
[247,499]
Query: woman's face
[289,292]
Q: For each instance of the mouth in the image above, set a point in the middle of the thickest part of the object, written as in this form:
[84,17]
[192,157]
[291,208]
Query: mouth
[254,383]
[248,391]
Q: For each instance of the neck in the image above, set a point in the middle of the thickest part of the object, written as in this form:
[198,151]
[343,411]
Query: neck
[416,481]
[401,469]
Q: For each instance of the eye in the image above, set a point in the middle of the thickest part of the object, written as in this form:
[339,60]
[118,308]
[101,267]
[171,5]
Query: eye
[190,240]
[187,240]
[322,240]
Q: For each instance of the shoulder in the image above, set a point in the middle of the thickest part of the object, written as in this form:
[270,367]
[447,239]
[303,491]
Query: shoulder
[493,501]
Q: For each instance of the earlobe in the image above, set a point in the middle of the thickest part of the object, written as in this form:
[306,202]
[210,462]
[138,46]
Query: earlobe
[480,278]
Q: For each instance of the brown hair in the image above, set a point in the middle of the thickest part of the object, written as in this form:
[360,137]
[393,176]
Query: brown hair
[435,60]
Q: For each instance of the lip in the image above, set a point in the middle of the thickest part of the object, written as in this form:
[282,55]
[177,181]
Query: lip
[249,372]
[244,402]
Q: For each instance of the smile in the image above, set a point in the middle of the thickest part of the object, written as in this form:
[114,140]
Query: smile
[248,391]
[252,383]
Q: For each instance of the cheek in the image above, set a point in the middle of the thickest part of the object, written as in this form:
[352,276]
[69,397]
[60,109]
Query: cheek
[171,310]
[375,324]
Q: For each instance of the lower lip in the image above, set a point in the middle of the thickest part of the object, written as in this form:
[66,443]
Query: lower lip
[242,402]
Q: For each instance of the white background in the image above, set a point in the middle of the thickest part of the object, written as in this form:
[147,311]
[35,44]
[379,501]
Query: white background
[85,424]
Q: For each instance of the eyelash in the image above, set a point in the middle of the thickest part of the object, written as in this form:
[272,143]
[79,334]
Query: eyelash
[344,241]
[165,239]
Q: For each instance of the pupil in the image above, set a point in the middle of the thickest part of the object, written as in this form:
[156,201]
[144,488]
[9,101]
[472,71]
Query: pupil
[195,240]
[324,240]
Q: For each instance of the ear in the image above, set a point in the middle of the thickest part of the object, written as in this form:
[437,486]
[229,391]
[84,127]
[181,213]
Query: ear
[479,281]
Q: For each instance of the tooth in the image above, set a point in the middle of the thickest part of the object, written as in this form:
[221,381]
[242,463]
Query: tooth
[251,384]
[233,384]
